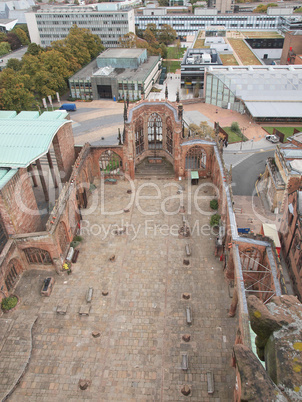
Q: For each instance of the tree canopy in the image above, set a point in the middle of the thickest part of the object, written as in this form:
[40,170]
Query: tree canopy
[44,71]
[153,39]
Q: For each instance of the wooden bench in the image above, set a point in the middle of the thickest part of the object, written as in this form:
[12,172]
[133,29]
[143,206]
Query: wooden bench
[188,250]
[84,310]
[189,315]
[185,362]
[210,379]
[89,295]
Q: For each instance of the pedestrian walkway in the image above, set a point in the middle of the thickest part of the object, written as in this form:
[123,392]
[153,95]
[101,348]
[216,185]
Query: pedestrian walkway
[138,309]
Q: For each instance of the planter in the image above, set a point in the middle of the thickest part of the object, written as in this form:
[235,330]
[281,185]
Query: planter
[13,308]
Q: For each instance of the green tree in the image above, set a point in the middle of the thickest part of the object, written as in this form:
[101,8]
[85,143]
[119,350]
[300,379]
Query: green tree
[153,29]
[163,3]
[22,36]
[34,49]
[76,42]
[4,48]
[13,94]
[167,34]
[54,63]
[151,39]
[14,64]
[164,50]
[128,40]
[235,127]
[13,40]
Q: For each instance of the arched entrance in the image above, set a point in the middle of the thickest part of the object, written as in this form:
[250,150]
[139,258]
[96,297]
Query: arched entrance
[139,137]
[110,163]
[196,158]
[12,273]
[155,132]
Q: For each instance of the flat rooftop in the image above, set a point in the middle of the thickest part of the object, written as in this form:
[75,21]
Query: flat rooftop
[121,53]
[130,74]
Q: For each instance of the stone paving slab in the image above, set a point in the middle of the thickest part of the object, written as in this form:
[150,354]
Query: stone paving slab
[15,353]
[137,307]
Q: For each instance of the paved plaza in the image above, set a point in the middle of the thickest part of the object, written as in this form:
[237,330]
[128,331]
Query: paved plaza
[141,320]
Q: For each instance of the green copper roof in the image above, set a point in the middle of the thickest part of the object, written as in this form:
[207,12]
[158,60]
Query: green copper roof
[25,139]
[7,114]
[6,175]
[56,115]
[27,115]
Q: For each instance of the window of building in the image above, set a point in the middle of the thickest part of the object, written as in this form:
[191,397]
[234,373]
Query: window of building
[155,132]
[196,158]
[37,256]
[169,136]
[139,136]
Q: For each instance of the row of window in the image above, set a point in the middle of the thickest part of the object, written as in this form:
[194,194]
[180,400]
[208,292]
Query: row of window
[76,15]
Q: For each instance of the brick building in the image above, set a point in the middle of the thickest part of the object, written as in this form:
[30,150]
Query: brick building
[291,239]
[154,135]
[292,47]
[28,140]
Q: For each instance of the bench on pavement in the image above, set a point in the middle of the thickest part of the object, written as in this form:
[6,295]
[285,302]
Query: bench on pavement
[185,362]
[89,294]
[188,250]
[189,315]
[210,380]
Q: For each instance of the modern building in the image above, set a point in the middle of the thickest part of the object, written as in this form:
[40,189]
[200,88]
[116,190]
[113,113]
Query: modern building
[117,74]
[15,10]
[106,20]
[292,46]
[222,6]
[193,66]
[187,24]
[266,48]
[7,24]
[266,93]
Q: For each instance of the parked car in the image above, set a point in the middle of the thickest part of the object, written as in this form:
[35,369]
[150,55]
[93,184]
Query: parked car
[272,138]
[69,107]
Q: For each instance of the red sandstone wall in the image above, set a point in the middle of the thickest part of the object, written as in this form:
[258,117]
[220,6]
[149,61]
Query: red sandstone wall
[63,144]
[294,41]
[18,205]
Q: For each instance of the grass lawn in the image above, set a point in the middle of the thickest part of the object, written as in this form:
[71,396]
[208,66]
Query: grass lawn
[174,53]
[287,131]
[228,60]
[262,34]
[172,66]
[243,52]
[199,44]
[233,137]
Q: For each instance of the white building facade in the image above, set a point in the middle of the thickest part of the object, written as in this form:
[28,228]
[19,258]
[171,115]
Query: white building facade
[107,21]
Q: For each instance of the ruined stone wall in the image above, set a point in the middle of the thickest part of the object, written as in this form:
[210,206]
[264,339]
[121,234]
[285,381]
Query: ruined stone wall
[63,144]
[18,205]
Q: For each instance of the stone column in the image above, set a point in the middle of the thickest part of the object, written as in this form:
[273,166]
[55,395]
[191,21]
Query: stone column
[32,175]
[234,303]
[52,170]
[42,179]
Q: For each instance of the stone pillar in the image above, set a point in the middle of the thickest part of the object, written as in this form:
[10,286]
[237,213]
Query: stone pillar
[52,170]
[234,303]
[43,183]
[32,175]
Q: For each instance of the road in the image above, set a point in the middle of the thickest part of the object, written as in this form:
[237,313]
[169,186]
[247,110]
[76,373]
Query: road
[247,171]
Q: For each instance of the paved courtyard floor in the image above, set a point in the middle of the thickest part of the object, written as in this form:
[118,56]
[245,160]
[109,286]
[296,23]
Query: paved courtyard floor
[142,319]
